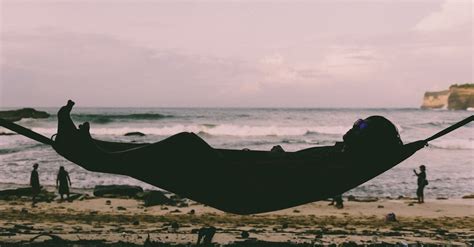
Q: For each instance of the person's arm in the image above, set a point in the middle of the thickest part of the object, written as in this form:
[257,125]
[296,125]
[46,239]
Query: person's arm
[415,172]
[31,179]
[68,178]
[57,180]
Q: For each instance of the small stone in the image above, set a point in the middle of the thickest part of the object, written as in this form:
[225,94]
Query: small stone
[175,225]
[108,202]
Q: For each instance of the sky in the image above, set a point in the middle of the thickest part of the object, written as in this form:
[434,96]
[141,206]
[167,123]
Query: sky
[383,53]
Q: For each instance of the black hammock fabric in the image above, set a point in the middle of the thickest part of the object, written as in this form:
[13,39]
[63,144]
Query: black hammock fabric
[235,181]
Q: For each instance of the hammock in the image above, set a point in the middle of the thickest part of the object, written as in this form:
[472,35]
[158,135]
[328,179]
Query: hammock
[235,181]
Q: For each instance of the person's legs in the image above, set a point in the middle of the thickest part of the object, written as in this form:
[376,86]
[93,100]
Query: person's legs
[422,195]
[418,194]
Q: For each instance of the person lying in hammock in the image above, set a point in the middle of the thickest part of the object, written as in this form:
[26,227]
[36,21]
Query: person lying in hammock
[238,181]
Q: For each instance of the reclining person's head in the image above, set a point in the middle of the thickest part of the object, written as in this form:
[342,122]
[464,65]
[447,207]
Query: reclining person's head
[372,134]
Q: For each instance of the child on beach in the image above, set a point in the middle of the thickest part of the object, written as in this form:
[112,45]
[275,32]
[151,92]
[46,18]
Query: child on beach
[422,182]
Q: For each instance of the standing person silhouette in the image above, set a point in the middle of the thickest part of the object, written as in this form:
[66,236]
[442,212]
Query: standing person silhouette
[35,184]
[63,182]
[422,182]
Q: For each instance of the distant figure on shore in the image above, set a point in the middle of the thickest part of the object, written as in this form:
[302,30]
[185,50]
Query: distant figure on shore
[422,182]
[337,202]
[63,182]
[35,184]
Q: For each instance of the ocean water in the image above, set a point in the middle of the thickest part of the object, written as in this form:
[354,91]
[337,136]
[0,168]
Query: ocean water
[449,160]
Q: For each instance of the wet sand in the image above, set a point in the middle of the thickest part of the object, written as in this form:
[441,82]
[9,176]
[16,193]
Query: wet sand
[438,222]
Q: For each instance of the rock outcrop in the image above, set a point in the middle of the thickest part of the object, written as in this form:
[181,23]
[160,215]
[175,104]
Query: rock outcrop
[17,115]
[457,97]
[115,191]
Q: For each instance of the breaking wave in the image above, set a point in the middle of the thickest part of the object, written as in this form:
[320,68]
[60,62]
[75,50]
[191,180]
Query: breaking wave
[215,130]
[458,144]
[107,118]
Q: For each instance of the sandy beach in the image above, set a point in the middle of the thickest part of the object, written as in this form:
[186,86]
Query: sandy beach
[119,220]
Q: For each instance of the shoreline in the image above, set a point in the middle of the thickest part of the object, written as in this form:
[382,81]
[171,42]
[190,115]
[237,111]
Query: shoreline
[114,220]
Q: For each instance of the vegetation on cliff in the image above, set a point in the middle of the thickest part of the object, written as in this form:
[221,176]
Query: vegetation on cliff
[458,97]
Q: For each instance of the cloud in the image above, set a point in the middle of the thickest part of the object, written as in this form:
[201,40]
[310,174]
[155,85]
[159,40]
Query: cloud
[351,62]
[102,70]
[453,13]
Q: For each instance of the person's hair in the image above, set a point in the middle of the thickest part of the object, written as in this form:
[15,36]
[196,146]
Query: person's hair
[422,167]
[377,133]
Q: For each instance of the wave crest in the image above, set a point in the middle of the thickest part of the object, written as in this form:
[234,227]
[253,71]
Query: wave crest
[216,130]
[106,118]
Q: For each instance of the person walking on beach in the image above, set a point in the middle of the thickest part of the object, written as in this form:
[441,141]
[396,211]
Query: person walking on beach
[35,184]
[63,182]
[422,182]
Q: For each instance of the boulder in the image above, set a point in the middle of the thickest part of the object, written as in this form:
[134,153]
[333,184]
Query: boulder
[43,196]
[155,197]
[17,115]
[113,191]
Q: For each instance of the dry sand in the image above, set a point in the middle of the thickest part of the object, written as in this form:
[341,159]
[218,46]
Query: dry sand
[435,222]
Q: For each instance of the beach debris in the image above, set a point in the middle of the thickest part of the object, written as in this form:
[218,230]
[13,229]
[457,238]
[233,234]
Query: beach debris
[175,211]
[54,238]
[76,196]
[441,198]
[380,206]
[244,234]
[135,133]
[192,212]
[174,226]
[108,202]
[206,234]
[365,199]
[114,191]
[390,217]
[121,208]
[296,211]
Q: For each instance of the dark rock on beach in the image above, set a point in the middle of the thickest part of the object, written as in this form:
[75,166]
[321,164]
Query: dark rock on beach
[43,196]
[113,191]
[154,197]
[7,134]
[134,134]
[17,115]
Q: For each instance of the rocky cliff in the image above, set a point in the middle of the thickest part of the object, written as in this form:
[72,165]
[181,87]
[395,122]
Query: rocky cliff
[457,97]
